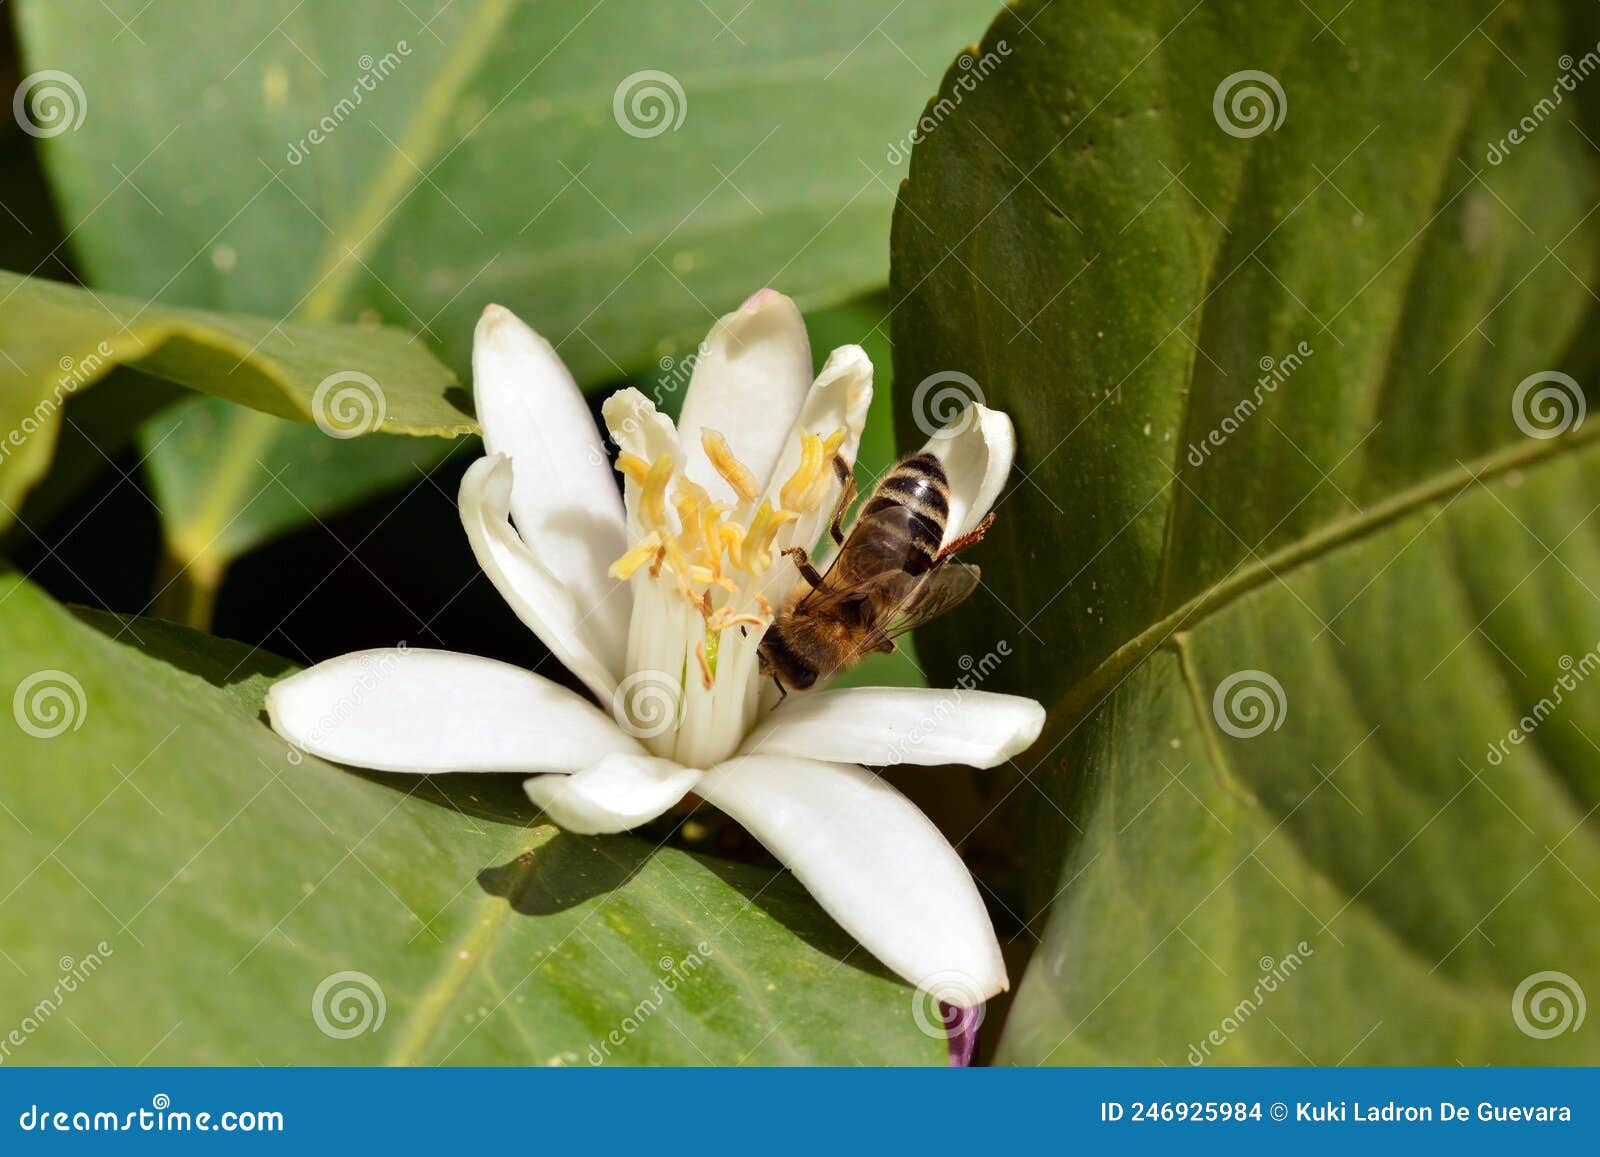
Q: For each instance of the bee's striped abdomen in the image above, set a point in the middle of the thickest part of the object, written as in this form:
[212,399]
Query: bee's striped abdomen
[918,491]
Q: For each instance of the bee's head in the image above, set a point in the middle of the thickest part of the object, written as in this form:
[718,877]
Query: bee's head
[778,661]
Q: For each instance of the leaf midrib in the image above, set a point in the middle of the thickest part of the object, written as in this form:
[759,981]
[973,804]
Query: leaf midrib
[466,955]
[252,433]
[1087,694]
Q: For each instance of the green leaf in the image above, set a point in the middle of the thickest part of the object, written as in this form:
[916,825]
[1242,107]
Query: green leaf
[1367,870]
[477,157]
[158,833]
[60,339]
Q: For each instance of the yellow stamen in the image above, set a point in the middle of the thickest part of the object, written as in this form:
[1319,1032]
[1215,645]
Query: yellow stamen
[824,479]
[800,481]
[806,487]
[734,472]
[755,553]
[730,538]
[633,467]
[653,493]
[626,566]
[746,618]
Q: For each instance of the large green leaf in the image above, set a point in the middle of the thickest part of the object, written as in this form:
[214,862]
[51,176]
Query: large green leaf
[160,841]
[1376,542]
[486,151]
[345,379]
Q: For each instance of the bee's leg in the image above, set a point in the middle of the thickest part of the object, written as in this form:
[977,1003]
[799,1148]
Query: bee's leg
[846,497]
[783,692]
[971,538]
[802,563]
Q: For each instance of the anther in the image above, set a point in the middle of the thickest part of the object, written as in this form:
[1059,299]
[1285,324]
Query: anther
[734,472]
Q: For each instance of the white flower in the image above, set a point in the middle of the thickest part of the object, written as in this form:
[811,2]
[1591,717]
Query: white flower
[658,603]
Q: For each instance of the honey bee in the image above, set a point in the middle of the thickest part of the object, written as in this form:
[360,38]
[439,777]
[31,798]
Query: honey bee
[891,574]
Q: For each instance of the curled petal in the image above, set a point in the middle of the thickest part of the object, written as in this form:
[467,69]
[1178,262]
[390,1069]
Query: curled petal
[618,793]
[407,709]
[885,725]
[874,862]
[750,378]
[976,449]
[549,607]
[563,496]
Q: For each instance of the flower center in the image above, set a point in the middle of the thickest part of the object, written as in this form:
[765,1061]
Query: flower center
[714,553]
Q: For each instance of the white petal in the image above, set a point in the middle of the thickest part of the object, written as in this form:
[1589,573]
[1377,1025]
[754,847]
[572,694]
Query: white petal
[538,597]
[563,494]
[976,449]
[750,378]
[437,711]
[637,426]
[618,793]
[884,725]
[874,862]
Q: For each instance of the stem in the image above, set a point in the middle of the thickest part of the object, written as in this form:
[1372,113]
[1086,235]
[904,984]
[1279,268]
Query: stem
[187,589]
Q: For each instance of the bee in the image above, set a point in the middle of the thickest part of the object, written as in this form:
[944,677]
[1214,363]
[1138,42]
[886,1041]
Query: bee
[891,574]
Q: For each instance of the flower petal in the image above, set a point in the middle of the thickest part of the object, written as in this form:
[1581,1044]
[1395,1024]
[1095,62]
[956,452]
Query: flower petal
[618,793]
[563,495]
[538,597]
[405,709]
[884,725]
[874,862]
[976,449]
[750,378]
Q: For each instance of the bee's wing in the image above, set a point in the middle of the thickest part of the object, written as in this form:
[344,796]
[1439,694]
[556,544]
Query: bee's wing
[945,589]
